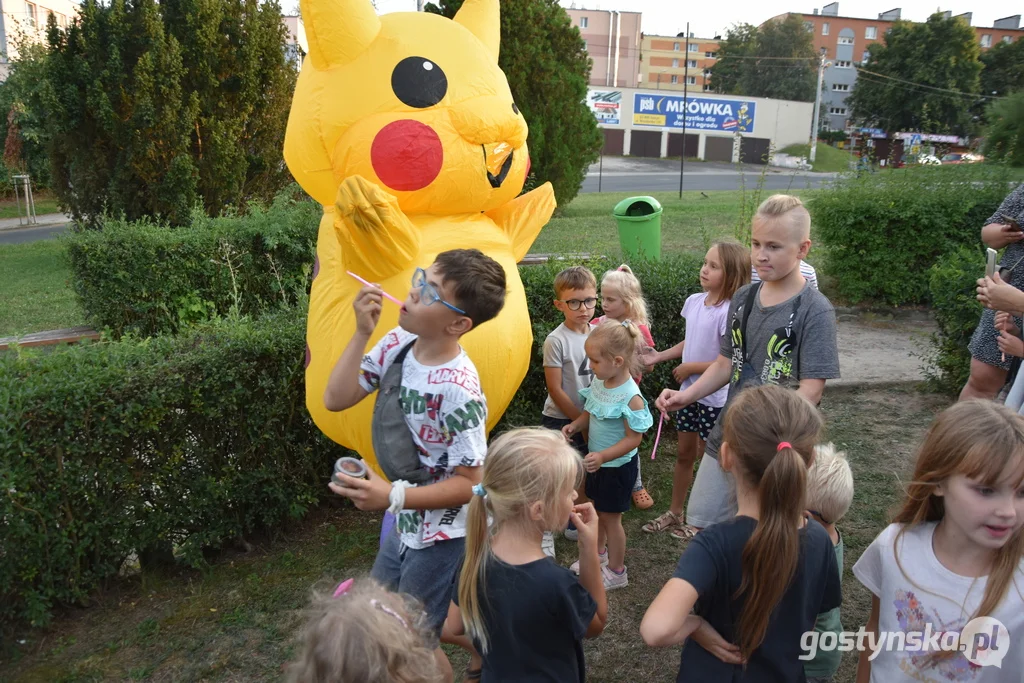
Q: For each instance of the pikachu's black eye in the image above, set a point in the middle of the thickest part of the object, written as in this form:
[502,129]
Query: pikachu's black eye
[419,82]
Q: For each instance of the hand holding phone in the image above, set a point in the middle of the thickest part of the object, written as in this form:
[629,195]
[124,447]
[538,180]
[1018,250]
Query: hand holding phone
[990,266]
[1010,221]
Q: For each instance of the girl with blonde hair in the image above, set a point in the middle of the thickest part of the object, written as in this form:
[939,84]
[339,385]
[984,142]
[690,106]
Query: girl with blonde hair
[622,298]
[526,615]
[954,553]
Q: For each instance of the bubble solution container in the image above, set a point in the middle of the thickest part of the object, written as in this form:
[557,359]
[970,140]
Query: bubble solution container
[351,467]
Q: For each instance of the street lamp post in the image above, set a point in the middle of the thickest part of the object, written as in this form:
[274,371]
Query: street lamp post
[817,104]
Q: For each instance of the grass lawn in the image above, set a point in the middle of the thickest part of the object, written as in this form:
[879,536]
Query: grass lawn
[237,621]
[827,159]
[35,293]
[587,226]
[44,204]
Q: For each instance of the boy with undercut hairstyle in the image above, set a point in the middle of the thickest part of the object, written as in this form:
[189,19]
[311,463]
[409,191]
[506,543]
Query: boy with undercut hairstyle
[440,402]
[566,366]
[781,331]
[829,495]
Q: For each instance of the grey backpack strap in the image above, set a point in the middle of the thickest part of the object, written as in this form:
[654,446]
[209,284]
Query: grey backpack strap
[396,452]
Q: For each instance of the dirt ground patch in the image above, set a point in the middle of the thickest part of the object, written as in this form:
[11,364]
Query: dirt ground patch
[237,620]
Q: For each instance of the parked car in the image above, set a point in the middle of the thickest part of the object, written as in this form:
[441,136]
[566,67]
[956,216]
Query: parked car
[961,158]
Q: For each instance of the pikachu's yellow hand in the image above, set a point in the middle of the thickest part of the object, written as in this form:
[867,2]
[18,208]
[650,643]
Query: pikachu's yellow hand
[377,238]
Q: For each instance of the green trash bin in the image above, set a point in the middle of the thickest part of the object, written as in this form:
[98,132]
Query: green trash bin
[639,221]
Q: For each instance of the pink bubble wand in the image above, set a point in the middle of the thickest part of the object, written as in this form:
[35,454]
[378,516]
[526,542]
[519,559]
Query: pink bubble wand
[657,437]
[370,284]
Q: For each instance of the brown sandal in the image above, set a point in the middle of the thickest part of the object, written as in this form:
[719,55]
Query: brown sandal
[642,500]
[666,521]
[684,532]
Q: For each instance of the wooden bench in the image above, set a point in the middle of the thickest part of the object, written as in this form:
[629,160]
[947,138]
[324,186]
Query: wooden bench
[70,336]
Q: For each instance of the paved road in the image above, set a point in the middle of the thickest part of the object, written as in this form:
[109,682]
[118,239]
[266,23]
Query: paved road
[19,235]
[634,174]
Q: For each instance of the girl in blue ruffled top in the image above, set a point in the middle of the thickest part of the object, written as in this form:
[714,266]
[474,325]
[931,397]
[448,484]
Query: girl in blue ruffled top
[615,416]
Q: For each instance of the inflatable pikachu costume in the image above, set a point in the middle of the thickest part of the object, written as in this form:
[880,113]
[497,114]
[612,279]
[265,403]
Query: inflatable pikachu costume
[404,128]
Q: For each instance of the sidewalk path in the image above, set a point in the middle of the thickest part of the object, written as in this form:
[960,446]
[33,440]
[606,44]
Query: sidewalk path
[882,348]
[41,221]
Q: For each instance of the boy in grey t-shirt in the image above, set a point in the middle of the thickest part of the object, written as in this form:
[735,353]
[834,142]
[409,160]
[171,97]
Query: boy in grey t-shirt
[781,331]
[566,367]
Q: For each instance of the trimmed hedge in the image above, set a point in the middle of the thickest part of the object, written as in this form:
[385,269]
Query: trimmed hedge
[952,281]
[148,278]
[134,447]
[883,231]
[139,447]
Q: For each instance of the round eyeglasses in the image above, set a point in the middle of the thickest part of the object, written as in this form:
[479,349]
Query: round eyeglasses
[428,295]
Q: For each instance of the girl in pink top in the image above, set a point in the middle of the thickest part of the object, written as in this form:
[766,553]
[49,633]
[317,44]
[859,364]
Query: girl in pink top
[726,268]
[623,299]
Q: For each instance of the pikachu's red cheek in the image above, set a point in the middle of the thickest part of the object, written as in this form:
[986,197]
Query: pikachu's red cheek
[406,155]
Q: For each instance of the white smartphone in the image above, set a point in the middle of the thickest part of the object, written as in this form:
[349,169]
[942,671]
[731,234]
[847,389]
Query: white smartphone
[990,266]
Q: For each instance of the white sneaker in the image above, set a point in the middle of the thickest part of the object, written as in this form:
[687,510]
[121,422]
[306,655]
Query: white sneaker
[547,544]
[613,580]
[601,557]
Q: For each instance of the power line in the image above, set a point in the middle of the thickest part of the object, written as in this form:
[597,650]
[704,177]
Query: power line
[861,70]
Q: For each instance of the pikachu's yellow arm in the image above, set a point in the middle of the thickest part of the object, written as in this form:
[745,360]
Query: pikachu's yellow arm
[523,217]
[378,240]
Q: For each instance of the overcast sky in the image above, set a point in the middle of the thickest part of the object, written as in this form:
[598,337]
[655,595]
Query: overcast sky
[707,19]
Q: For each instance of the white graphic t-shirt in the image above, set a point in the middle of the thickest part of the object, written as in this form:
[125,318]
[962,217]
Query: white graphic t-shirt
[446,412]
[927,594]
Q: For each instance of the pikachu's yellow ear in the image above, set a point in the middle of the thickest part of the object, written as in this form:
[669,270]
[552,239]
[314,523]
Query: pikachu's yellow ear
[483,19]
[338,30]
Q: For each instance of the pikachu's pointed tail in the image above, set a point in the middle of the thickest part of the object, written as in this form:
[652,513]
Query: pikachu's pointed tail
[523,217]
[377,238]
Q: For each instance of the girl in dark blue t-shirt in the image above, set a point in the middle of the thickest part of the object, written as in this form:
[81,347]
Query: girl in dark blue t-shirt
[758,581]
[526,615]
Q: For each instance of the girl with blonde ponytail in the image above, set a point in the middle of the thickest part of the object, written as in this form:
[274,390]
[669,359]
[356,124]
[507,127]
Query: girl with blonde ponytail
[526,615]
[768,565]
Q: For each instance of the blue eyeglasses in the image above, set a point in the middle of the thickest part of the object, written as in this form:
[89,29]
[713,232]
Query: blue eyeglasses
[428,295]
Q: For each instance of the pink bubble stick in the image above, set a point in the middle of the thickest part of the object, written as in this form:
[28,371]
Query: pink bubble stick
[657,437]
[370,284]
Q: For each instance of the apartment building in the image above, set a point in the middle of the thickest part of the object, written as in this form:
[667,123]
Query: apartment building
[21,20]
[613,43]
[296,46]
[844,41]
[677,62]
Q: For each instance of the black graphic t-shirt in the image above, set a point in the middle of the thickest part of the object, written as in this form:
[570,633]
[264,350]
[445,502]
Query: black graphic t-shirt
[787,342]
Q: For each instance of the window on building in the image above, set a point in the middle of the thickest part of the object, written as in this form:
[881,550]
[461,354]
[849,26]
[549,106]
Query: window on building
[986,40]
[843,64]
[675,63]
[691,80]
[675,46]
[62,20]
[824,29]
[843,40]
[809,25]
[693,47]
[840,87]
[864,58]
[584,22]
[691,63]
[1007,39]
[837,111]
[675,79]
[707,73]
[871,32]
[710,55]
[33,18]
[707,87]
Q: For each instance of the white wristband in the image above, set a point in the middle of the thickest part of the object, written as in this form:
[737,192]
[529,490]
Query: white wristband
[397,496]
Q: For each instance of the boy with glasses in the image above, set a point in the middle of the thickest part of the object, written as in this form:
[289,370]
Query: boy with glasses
[445,412]
[566,368]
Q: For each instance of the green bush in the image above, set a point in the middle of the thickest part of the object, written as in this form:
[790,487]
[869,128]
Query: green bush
[148,278]
[951,283]
[120,448]
[666,285]
[884,230]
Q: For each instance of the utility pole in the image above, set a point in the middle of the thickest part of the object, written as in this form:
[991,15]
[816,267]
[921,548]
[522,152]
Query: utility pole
[817,105]
[419,5]
[686,85]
